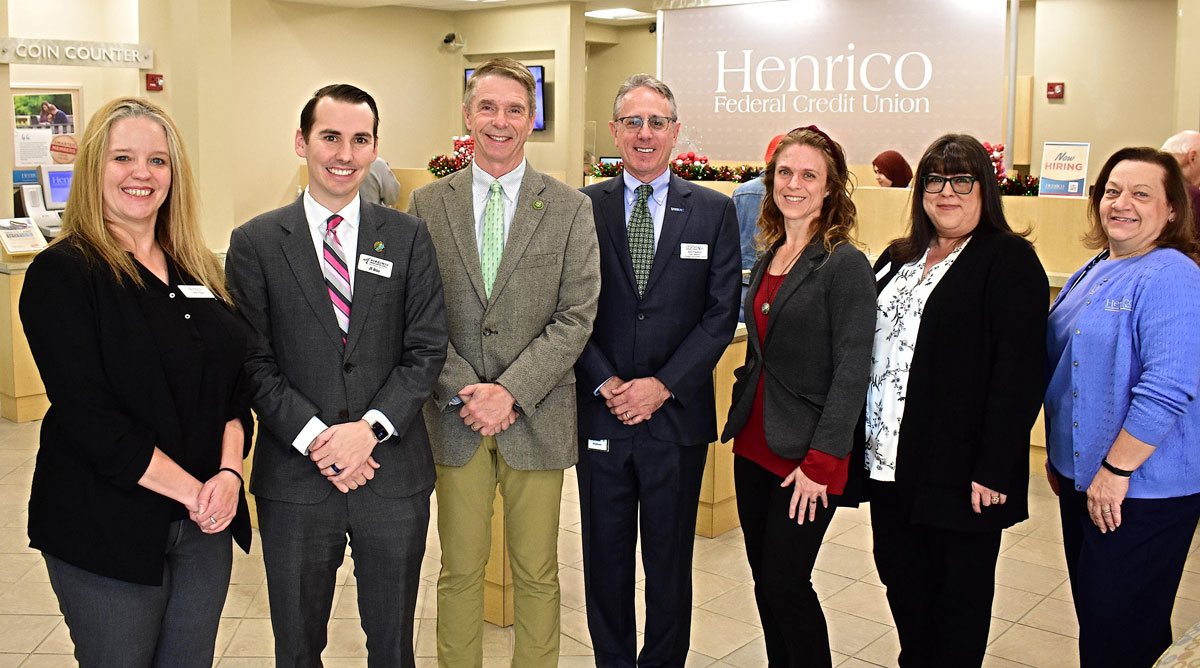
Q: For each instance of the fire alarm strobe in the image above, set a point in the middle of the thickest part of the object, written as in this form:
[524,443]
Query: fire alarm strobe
[154,82]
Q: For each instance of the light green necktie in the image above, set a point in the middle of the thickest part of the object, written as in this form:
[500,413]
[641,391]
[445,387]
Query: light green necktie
[493,237]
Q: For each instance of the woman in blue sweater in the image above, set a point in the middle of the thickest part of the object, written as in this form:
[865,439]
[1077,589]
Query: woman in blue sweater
[1122,417]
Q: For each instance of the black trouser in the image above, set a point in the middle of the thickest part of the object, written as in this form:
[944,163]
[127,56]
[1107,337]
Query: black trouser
[1124,581]
[781,554]
[939,583]
[117,623]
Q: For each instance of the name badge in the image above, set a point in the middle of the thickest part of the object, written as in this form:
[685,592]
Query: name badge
[374,265]
[598,444]
[693,251]
[196,292]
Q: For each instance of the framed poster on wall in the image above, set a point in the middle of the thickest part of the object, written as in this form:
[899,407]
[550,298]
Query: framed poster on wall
[48,124]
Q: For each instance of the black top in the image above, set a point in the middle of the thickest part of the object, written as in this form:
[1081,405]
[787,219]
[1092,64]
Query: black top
[125,371]
[201,345]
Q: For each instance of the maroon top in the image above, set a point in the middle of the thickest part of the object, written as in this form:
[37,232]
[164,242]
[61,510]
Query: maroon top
[751,442]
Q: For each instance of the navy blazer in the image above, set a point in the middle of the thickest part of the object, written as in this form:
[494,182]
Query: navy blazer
[680,327]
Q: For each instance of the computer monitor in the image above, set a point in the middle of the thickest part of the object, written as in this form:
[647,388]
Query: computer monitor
[56,185]
[539,95]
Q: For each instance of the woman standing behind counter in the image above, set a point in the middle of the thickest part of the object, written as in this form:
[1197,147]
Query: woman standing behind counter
[138,474]
[957,376]
[809,313]
[1122,418]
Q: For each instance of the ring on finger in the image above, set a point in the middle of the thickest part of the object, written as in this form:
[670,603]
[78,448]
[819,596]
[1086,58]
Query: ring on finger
[626,415]
[334,468]
[212,519]
[475,427]
[995,499]
[1106,511]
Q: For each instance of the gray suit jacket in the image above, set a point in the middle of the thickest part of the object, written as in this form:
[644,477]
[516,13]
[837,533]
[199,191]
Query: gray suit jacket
[528,336]
[298,365]
[816,353]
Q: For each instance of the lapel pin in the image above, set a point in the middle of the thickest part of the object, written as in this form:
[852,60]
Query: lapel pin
[538,204]
[676,209]
[379,246]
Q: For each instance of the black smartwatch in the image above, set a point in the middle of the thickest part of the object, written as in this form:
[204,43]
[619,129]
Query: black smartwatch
[380,431]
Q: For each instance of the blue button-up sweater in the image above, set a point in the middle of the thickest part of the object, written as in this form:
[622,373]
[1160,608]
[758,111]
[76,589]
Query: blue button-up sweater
[1124,352]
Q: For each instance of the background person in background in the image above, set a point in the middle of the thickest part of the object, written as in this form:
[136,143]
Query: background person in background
[669,280]
[137,487]
[1122,413]
[957,376]
[891,170]
[380,186]
[800,393]
[1185,147]
[517,251]
[747,201]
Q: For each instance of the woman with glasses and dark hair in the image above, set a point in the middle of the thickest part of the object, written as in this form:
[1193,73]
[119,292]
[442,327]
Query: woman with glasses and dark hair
[809,313]
[1121,410]
[956,382]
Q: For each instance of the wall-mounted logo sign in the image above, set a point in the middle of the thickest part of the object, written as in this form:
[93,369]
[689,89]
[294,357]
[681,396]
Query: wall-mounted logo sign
[26,51]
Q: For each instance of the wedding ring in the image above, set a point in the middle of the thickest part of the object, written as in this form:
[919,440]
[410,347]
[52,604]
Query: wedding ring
[995,499]
[334,468]
[626,415]
[212,519]
[1106,511]
[474,427]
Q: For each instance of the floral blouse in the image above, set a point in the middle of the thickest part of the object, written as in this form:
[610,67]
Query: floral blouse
[897,320]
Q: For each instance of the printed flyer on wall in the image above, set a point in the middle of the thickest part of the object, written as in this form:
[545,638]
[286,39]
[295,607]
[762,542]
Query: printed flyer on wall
[1064,169]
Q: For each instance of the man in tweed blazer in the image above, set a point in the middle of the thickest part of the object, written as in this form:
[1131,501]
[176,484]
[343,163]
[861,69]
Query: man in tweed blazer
[336,407]
[503,409]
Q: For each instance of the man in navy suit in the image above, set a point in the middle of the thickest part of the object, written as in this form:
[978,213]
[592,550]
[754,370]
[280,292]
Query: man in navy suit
[670,277]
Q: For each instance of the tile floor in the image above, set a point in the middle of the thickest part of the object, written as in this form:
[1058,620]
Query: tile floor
[1033,622]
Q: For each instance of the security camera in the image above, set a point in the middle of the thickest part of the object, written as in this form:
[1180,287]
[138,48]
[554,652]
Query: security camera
[454,40]
[449,38]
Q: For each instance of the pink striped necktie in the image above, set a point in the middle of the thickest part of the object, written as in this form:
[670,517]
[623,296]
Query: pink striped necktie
[337,274]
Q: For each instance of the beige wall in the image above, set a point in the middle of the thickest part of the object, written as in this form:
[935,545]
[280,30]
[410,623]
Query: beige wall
[92,20]
[284,51]
[1117,59]
[632,49]
[1187,66]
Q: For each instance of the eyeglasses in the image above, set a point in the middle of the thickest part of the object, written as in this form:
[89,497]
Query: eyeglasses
[657,123]
[963,185]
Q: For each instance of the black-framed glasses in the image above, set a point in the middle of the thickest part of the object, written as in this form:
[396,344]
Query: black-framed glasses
[656,123]
[934,184]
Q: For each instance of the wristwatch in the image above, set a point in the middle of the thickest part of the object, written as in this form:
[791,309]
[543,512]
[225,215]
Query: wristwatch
[380,431]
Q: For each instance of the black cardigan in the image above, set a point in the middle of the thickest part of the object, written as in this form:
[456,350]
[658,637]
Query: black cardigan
[110,406]
[975,385]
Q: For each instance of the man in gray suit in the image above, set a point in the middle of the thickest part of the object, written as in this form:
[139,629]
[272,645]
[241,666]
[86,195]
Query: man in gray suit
[349,325]
[520,265]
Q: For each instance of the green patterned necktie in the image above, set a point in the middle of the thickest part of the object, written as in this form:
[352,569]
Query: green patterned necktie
[493,237]
[641,238]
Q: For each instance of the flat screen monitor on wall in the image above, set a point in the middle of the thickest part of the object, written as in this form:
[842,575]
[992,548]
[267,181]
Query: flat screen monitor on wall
[539,83]
[56,185]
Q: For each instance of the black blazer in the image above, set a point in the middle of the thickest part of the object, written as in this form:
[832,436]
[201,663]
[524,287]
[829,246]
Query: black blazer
[110,406]
[816,353]
[680,327]
[975,385]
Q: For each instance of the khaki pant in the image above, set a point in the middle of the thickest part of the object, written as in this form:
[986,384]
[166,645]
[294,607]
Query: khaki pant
[531,504]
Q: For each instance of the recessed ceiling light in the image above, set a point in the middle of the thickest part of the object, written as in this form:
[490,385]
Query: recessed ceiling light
[619,14]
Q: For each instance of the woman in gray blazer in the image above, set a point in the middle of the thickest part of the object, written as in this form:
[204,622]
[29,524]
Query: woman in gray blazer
[809,315]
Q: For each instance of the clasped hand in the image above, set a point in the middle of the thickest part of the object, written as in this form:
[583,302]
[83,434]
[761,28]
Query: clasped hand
[216,504]
[347,446]
[635,400]
[487,408]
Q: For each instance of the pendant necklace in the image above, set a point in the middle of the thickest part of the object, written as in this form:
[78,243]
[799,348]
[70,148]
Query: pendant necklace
[766,307]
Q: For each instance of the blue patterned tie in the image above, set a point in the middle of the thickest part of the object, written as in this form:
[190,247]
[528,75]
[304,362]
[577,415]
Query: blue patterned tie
[641,238]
